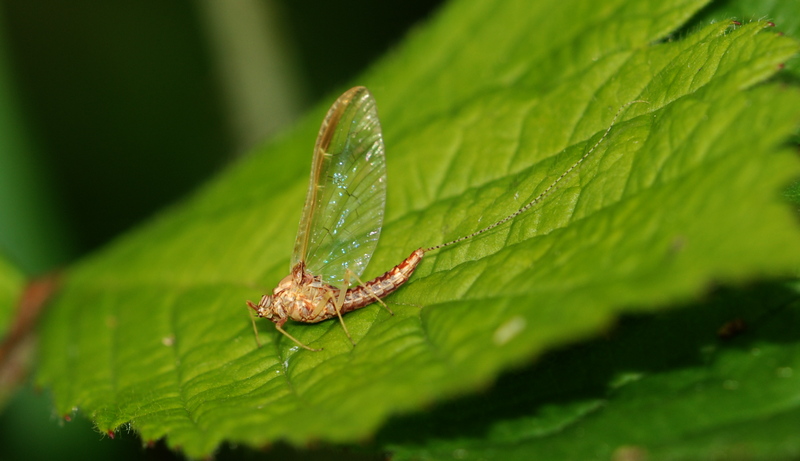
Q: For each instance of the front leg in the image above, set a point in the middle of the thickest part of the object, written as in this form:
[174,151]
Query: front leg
[253,321]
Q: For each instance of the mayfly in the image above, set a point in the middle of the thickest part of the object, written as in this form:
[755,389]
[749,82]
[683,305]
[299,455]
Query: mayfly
[342,220]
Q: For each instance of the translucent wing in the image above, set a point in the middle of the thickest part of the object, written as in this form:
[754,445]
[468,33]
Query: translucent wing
[343,213]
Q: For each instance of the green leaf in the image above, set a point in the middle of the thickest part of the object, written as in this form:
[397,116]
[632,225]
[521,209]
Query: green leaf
[785,15]
[482,109]
[11,284]
[693,395]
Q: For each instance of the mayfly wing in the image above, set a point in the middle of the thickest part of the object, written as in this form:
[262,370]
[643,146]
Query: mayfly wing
[343,213]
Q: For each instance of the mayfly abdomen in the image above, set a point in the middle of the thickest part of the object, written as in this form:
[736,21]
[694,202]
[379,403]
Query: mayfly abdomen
[382,286]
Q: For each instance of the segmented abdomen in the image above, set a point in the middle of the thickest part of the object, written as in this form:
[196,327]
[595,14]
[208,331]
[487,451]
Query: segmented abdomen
[382,286]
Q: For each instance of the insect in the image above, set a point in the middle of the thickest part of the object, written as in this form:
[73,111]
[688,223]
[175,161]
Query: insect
[342,220]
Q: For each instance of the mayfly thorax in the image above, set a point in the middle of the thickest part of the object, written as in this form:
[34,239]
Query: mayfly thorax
[342,220]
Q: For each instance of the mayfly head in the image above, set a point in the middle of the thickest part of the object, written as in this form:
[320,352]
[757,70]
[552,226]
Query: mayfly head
[264,307]
[273,306]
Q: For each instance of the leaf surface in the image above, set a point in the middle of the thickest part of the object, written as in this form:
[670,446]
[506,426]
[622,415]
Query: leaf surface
[685,384]
[11,284]
[481,110]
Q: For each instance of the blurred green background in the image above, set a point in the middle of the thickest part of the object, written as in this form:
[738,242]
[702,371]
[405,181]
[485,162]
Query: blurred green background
[111,111]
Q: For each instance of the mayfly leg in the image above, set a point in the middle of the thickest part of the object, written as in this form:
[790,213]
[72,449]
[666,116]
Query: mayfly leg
[339,302]
[255,327]
[279,327]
